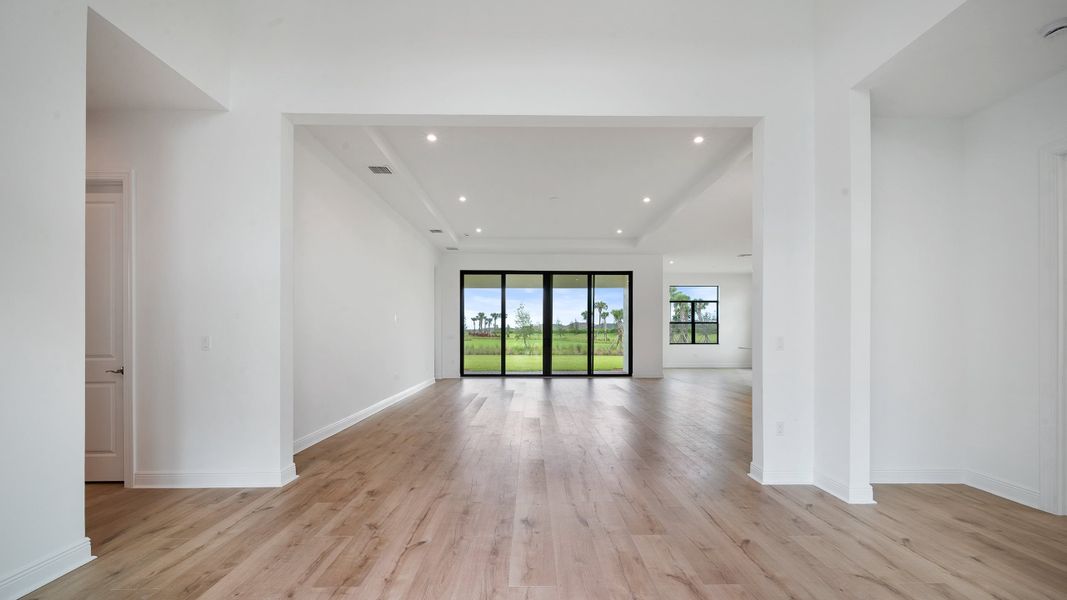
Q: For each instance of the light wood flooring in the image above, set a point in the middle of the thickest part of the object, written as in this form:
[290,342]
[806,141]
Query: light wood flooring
[560,489]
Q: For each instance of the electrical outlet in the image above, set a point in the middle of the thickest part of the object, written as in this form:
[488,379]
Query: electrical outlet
[205,343]
[779,428]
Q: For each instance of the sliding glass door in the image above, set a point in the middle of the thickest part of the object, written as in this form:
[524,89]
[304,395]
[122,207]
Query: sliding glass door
[611,312]
[570,324]
[483,303]
[524,299]
[546,323]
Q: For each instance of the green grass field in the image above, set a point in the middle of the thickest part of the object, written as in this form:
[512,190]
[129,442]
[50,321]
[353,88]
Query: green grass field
[484,363]
[482,354]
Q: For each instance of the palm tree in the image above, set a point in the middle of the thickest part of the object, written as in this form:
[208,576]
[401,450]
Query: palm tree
[481,321]
[585,317]
[617,315]
[602,310]
[494,317]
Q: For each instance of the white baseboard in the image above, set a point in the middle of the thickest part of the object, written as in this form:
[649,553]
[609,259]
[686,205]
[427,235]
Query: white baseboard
[265,479]
[899,476]
[857,494]
[986,483]
[306,441]
[289,474]
[1004,489]
[45,570]
[757,473]
[704,365]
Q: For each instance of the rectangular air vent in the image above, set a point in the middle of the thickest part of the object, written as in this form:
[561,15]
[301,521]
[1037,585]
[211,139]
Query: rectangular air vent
[453,248]
[436,231]
[380,170]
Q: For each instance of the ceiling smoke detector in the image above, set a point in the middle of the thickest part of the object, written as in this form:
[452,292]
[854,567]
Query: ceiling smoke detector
[380,170]
[1054,28]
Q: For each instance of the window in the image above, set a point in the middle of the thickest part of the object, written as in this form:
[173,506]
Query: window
[694,314]
[546,323]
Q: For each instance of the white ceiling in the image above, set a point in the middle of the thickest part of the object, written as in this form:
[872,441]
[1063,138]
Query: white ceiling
[121,74]
[980,54]
[709,234]
[563,189]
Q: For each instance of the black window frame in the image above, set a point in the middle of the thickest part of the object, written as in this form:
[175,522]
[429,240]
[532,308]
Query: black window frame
[692,321]
[546,368]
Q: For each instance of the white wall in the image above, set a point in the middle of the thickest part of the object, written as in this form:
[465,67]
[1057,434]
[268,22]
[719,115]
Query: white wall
[846,53]
[958,313]
[42,267]
[207,228]
[646,320]
[364,281]
[192,36]
[918,355]
[1001,284]
[735,323]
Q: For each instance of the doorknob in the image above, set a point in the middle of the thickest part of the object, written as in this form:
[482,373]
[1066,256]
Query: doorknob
[118,371]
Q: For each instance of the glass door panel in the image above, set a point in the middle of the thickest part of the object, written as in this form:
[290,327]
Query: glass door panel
[611,318]
[570,324]
[481,324]
[524,297]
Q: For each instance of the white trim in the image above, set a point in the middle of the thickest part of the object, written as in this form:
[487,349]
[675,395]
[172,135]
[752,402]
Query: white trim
[129,406]
[859,494]
[704,365]
[757,473]
[306,441]
[265,479]
[45,570]
[905,476]
[1052,413]
[1004,489]
[289,474]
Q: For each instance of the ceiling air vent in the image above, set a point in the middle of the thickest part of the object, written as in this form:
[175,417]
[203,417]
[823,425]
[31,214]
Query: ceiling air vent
[380,170]
[453,248]
[436,231]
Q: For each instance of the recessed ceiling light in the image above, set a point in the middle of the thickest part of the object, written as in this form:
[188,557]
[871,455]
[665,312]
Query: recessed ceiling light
[477,230]
[618,231]
[698,139]
[670,262]
[431,137]
[462,198]
[646,199]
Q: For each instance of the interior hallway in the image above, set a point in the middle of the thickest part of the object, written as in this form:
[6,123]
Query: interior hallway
[560,488]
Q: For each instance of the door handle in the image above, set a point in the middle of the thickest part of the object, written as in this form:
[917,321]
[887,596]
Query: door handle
[118,371]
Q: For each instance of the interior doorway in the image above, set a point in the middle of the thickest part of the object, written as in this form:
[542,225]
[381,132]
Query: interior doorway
[107,328]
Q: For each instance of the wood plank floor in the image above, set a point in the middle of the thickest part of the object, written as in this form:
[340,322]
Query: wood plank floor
[560,489]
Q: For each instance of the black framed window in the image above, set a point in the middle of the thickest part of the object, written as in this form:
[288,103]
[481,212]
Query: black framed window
[694,314]
[537,323]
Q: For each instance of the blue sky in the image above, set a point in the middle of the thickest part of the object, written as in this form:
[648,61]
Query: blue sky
[568,303]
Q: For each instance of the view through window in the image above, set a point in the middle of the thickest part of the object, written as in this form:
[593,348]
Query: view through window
[546,323]
[694,314]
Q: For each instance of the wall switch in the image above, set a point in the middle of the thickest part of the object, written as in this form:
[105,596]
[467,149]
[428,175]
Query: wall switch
[779,343]
[205,343]
[779,428]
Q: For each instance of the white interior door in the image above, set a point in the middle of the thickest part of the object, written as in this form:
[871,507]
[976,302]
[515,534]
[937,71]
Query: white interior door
[105,285]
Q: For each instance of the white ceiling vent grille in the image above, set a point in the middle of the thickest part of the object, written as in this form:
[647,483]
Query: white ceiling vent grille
[452,248]
[436,231]
[380,170]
